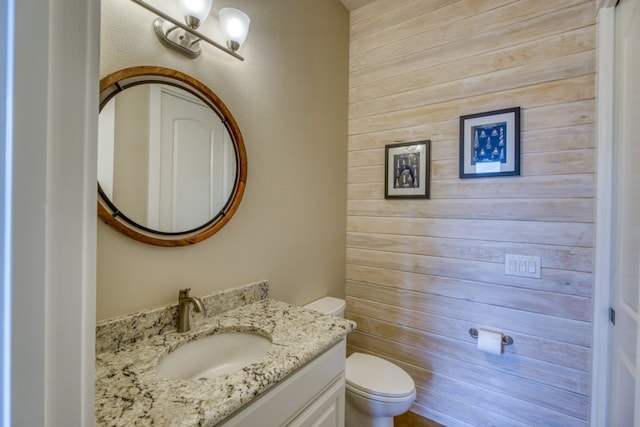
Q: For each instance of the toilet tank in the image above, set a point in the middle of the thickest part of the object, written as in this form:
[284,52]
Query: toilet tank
[328,305]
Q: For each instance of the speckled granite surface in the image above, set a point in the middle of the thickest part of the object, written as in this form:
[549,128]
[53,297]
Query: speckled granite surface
[128,391]
[122,331]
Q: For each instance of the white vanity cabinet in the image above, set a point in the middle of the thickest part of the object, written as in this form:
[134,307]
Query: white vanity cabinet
[312,396]
[325,411]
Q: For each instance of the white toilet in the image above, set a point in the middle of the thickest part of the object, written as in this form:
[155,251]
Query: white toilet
[377,390]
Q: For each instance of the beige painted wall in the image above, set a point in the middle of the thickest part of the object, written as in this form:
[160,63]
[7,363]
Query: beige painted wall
[290,99]
[420,273]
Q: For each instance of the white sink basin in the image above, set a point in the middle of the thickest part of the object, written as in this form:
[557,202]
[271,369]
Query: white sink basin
[214,355]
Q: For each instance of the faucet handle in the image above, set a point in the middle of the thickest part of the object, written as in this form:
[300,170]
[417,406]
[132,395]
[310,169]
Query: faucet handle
[184,293]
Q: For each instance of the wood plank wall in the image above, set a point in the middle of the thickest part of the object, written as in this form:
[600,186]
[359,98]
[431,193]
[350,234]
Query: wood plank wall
[420,273]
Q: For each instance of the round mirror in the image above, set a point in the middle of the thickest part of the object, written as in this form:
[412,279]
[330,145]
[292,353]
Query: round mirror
[172,165]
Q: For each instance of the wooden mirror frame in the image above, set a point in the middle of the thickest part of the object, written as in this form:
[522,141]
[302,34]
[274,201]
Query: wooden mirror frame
[115,83]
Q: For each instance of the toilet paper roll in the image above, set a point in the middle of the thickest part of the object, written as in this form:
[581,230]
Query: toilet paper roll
[489,341]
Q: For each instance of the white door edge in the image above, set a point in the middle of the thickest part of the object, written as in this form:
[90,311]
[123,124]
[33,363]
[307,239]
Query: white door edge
[604,200]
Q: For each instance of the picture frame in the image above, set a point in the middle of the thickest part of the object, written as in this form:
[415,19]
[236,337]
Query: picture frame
[407,170]
[490,144]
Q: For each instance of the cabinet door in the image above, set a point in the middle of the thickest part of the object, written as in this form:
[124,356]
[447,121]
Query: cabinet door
[326,411]
[306,395]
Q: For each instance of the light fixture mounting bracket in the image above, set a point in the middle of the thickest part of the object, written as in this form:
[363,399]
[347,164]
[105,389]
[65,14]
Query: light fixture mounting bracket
[197,36]
[174,39]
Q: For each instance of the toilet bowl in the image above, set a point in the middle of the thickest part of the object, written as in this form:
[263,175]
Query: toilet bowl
[376,389]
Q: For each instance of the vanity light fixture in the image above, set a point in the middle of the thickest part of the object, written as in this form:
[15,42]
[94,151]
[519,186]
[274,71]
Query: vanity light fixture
[234,25]
[184,38]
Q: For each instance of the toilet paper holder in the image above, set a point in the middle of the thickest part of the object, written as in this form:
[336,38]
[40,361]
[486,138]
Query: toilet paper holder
[506,340]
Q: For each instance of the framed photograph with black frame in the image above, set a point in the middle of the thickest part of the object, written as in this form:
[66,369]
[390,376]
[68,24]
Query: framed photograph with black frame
[407,170]
[490,144]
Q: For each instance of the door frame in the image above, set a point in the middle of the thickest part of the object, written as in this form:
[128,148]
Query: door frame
[56,60]
[604,211]
[6,147]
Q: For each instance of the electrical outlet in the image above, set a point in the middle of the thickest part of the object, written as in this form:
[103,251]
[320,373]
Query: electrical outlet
[522,265]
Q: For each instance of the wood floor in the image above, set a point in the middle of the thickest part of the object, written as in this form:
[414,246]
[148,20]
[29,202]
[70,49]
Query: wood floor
[410,419]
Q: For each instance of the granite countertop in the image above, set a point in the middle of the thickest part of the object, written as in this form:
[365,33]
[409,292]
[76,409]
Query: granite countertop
[128,391]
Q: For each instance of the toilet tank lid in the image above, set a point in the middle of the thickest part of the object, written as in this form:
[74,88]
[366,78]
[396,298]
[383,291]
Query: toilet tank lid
[327,305]
[378,376]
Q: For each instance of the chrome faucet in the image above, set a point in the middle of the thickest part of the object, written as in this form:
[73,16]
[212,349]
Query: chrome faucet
[184,303]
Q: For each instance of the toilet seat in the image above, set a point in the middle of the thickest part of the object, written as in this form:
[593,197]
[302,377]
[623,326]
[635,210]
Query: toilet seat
[378,379]
[380,399]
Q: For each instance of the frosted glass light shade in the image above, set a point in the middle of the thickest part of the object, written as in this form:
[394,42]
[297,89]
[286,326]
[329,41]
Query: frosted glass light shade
[234,25]
[198,9]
